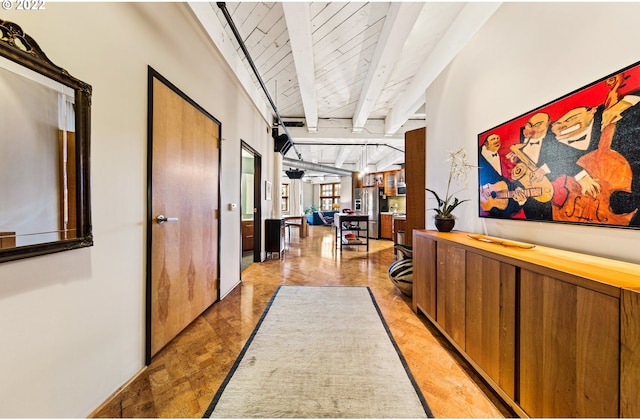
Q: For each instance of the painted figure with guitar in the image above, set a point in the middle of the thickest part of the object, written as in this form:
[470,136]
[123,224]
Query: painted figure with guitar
[498,195]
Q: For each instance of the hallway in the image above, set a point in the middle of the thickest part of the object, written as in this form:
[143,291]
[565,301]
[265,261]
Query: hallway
[183,377]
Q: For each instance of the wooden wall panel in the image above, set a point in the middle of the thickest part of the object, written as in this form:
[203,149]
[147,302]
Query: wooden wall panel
[415,149]
[569,350]
[451,291]
[490,318]
[424,276]
[630,355]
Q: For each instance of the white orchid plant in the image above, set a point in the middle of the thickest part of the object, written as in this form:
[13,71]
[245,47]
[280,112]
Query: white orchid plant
[458,175]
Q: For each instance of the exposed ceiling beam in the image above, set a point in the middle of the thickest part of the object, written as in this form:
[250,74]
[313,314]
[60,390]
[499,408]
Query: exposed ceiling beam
[342,155]
[223,8]
[205,14]
[315,152]
[298,21]
[469,20]
[397,26]
[391,159]
[375,152]
[340,130]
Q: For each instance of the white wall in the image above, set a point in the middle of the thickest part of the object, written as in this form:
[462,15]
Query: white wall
[346,193]
[29,143]
[308,198]
[72,323]
[527,55]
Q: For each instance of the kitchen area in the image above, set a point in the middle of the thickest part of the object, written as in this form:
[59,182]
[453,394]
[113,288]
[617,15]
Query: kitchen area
[395,200]
[382,196]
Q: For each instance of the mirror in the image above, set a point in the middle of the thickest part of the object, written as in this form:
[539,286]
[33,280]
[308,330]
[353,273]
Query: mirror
[44,152]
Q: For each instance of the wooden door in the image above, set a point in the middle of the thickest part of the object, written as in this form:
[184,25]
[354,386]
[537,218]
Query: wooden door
[184,186]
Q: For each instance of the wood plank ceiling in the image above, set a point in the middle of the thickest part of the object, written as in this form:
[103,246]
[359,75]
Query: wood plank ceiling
[352,73]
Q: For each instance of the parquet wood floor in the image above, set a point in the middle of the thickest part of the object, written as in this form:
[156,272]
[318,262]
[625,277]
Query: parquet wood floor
[182,379]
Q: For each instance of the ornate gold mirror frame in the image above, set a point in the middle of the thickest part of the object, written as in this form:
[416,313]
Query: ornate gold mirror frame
[45,125]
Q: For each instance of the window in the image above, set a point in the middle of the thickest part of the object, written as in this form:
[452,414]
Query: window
[329,195]
[284,197]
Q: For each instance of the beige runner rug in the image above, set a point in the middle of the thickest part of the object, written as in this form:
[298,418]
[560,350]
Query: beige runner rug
[320,352]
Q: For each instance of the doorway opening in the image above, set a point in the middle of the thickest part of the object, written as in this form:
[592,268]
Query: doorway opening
[250,208]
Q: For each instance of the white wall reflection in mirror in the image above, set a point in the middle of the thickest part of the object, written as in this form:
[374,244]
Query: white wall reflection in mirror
[37,157]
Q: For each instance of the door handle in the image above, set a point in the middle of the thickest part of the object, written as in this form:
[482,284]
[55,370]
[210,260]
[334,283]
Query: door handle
[161,219]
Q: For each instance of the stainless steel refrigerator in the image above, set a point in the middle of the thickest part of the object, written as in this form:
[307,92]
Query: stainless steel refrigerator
[371,201]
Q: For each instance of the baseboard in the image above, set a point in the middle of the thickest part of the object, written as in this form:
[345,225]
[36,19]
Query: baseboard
[232,288]
[116,393]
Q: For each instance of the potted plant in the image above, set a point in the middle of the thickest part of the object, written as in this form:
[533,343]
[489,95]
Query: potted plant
[311,209]
[458,171]
[308,212]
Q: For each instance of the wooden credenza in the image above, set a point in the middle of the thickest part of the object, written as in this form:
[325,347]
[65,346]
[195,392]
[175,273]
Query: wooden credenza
[555,333]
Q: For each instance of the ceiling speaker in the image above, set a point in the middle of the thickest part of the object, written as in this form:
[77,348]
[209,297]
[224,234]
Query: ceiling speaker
[282,144]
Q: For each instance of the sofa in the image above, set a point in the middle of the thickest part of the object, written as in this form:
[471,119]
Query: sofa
[314,218]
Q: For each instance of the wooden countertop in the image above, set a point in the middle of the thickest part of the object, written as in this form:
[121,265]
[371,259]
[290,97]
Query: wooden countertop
[609,273]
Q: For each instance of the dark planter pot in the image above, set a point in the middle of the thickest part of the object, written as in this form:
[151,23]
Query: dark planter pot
[445,224]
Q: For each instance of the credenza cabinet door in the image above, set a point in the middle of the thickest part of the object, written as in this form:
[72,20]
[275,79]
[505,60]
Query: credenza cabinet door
[491,318]
[450,291]
[629,355]
[569,349]
[424,276]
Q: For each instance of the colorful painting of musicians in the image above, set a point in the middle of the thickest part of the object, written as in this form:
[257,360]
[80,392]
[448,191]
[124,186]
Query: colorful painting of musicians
[574,160]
